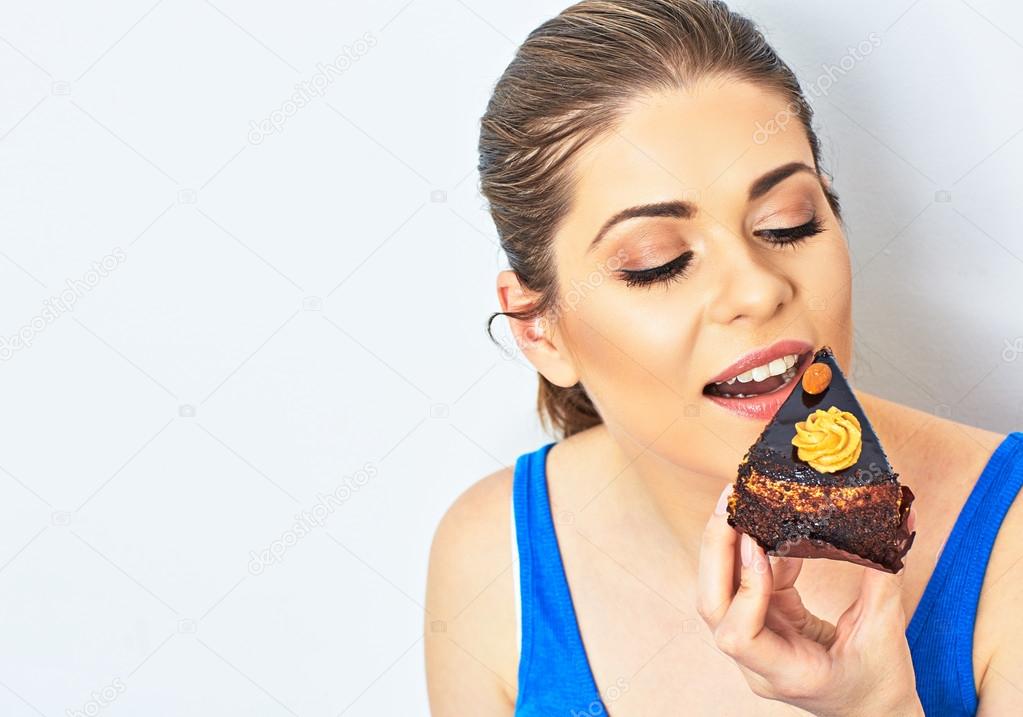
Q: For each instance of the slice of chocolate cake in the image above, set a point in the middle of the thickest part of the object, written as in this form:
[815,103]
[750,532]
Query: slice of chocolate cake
[817,483]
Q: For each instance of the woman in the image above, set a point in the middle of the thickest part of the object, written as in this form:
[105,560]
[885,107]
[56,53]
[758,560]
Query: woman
[657,186]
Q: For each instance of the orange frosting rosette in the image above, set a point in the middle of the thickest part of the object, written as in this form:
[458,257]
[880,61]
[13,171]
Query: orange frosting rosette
[829,440]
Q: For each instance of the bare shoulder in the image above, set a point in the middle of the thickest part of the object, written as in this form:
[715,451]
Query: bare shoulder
[482,509]
[999,624]
[939,458]
[944,459]
[959,453]
[924,444]
[469,626]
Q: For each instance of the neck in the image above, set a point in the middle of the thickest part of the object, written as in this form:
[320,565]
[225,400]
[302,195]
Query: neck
[651,487]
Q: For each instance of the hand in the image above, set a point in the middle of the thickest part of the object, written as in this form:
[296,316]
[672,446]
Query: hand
[861,666]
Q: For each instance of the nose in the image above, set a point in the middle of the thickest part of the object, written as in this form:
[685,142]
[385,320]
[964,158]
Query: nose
[752,285]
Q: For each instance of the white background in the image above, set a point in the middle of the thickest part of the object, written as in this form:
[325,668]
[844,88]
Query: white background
[292,311]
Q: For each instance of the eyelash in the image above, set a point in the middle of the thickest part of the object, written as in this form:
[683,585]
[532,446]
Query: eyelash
[675,269]
[792,235]
[666,273]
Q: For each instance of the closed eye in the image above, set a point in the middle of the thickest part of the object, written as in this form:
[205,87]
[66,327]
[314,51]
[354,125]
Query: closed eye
[792,235]
[666,273]
[675,269]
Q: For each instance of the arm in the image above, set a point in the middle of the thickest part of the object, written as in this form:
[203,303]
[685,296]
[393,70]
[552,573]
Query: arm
[1000,621]
[469,626]
[1002,688]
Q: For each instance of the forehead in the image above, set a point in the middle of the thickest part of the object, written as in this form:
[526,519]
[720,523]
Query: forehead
[706,142]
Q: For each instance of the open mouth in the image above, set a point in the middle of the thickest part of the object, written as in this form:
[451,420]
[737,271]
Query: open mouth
[761,380]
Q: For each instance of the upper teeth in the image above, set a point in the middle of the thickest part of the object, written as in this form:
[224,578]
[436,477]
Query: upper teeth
[775,368]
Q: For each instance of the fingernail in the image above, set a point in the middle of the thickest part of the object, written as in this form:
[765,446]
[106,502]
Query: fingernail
[911,520]
[722,505]
[746,550]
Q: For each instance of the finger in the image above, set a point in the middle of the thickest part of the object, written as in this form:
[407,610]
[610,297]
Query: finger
[756,582]
[716,576]
[881,596]
[880,586]
[785,571]
[819,630]
[880,590]
[742,633]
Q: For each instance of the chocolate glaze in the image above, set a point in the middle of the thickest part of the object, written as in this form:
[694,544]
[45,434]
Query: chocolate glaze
[774,455]
[876,537]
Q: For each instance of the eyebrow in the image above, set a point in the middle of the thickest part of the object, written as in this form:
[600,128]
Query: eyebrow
[684,210]
[766,182]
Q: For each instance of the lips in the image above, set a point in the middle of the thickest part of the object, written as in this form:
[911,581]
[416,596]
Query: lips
[766,393]
[762,406]
[761,357]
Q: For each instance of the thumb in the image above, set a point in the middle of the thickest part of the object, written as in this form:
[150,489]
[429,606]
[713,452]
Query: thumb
[881,590]
[880,587]
[785,571]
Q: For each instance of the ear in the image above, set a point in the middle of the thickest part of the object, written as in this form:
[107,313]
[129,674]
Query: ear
[535,337]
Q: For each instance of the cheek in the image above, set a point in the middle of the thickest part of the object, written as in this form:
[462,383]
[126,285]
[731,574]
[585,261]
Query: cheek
[632,352]
[827,274]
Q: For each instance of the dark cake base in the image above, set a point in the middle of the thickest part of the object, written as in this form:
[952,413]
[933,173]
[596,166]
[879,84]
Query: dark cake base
[862,524]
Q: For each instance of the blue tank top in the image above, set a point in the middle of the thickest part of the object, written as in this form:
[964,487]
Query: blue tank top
[554,674]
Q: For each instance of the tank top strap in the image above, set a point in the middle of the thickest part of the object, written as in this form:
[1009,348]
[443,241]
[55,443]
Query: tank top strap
[554,674]
[940,633]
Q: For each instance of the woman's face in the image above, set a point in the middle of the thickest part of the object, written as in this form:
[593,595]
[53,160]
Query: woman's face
[658,307]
